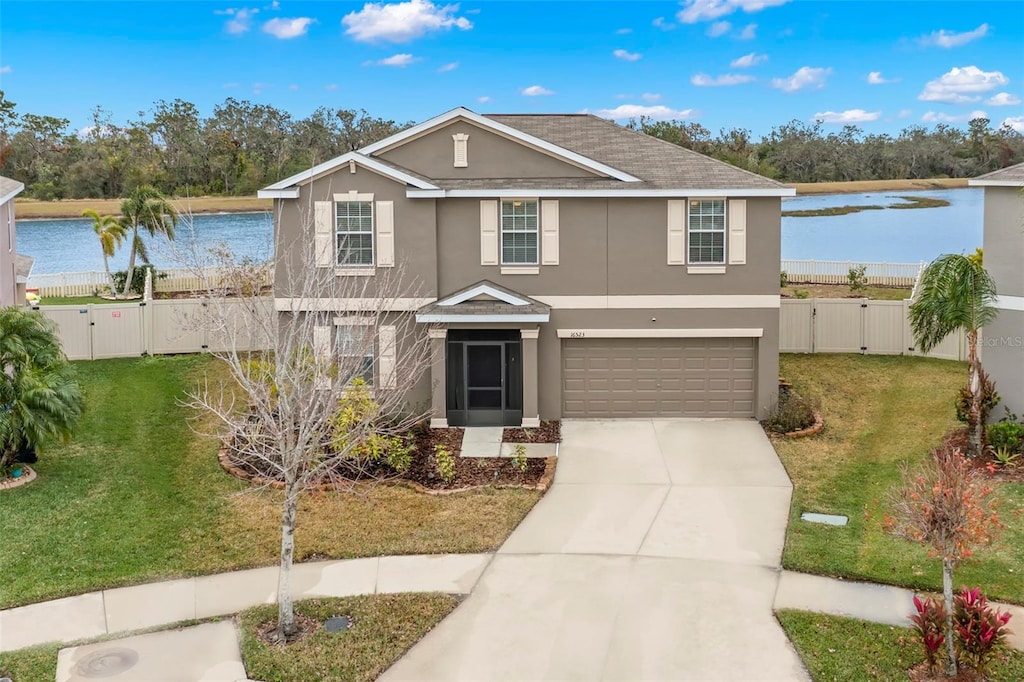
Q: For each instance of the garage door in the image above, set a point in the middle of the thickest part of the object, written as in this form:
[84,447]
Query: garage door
[658,377]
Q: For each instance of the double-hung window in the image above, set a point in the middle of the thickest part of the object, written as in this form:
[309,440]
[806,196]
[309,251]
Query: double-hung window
[353,224]
[519,228]
[355,348]
[706,231]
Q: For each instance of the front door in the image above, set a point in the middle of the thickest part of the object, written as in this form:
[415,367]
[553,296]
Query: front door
[485,385]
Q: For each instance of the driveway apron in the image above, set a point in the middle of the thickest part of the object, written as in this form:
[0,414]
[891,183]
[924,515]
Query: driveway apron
[654,556]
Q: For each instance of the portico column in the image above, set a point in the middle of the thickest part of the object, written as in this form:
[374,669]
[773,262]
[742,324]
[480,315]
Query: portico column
[438,378]
[531,415]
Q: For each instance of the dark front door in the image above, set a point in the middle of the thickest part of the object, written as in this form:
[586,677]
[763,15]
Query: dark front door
[485,378]
[485,385]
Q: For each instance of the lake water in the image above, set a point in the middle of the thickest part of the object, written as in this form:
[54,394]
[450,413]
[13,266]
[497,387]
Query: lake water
[889,235]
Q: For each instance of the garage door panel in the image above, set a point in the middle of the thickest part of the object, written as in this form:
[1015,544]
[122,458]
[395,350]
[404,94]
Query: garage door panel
[658,377]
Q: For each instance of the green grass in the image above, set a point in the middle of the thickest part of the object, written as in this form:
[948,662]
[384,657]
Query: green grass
[880,412]
[837,649]
[137,496]
[920,202]
[79,300]
[384,628]
[38,664]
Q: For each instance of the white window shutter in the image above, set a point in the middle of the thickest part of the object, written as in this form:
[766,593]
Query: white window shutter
[737,218]
[549,232]
[677,232]
[386,234]
[322,354]
[461,150]
[323,238]
[488,232]
[387,354]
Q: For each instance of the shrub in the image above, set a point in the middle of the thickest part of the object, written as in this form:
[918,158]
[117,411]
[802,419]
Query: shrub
[783,279]
[792,412]
[1009,435]
[979,627]
[519,460]
[989,399]
[138,278]
[857,277]
[929,623]
[801,293]
[359,440]
[1005,457]
[444,461]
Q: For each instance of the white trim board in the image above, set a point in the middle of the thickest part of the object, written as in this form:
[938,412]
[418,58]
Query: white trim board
[995,183]
[326,166]
[681,193]
[483,289]
[470,318]
[344,305]
[278,193]
[1010,303]
[682,301]
[13,193]
[730,333]
[503,130]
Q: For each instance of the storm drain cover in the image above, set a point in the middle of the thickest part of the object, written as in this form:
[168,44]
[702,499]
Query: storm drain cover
[830,519]
[107,662]
[337,624]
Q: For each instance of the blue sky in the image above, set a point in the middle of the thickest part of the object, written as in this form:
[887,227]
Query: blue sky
[723,63]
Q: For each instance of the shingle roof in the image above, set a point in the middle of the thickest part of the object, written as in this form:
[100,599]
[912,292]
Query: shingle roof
[1010,174]
[8,187]
[475,307]
[660,164]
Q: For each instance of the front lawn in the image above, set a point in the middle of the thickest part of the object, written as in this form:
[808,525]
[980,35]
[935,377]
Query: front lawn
[837,649]
[881,411]
[137,496]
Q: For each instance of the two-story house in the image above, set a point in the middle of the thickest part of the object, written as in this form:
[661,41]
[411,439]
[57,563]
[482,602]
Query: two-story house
[13,268]
[573,268]
[1002,350]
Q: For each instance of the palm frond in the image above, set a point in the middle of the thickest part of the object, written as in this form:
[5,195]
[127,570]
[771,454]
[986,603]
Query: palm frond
[955,293]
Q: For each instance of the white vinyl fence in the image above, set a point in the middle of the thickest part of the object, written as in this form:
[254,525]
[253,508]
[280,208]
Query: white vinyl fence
[838,271]
[845,325]
[119,330]
[64,284]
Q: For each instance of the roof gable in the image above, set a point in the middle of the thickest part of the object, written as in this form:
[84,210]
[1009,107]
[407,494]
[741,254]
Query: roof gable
[287,188]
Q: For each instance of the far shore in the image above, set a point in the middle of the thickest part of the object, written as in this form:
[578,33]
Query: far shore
[72,208]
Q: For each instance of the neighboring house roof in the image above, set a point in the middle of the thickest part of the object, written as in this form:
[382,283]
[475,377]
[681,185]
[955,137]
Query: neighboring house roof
[485,301]
[1011,176]
[23,267]
[9,189]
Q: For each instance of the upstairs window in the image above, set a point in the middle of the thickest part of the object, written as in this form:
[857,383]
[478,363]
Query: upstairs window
[355,348]
[354,232]
[706,231]
[519,228]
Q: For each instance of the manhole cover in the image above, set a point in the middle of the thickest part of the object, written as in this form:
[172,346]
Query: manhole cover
[830,519]
[107,662]
[337,624]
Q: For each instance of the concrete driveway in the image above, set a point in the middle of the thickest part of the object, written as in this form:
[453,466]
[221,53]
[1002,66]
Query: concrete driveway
[654,556]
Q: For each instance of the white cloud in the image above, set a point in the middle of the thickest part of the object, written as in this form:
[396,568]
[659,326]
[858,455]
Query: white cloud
[657,111]
[6,69]
[623,31]
[401,59]
[1003,99]
[948,39]
[274,5]
[258,88]
[904,113]
[627,56]
[848,116]
[876,78]
[706,10]
[240,21]
[293,86]
[483,99]
[287,28]
[651,97]
[229,86]
[536,91]
[331,87]
[748,60]
[402,21]
[940,117]
[662,24]
[1015,122]
[703,80]
[805,78]
[719,28]
[450,66]
[749,32]
[961,85]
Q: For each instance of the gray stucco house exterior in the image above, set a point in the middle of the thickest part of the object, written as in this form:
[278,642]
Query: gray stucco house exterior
[14,269]
[571,268]
[1002,351]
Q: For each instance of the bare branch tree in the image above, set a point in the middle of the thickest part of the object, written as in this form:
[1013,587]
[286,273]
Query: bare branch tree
[318,376]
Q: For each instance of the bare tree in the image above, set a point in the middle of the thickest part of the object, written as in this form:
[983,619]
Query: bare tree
[316,393]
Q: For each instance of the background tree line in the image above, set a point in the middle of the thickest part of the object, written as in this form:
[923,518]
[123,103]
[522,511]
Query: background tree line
[243,146]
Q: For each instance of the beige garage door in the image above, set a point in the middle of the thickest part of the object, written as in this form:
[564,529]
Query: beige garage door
[658,377]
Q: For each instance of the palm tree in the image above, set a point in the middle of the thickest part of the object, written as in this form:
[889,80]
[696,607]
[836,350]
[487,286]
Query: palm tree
[111,233]
[956,293]
[40,401]
[145,208]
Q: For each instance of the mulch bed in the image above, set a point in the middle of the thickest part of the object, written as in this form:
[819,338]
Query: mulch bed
[986,465]
[923,673]
[422,474]
[267,632]
[547,432]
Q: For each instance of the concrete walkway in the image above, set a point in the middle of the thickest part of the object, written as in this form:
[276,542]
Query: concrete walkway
[654,556]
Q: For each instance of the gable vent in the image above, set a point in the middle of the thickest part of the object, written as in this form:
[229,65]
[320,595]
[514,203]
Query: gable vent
[461,150]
